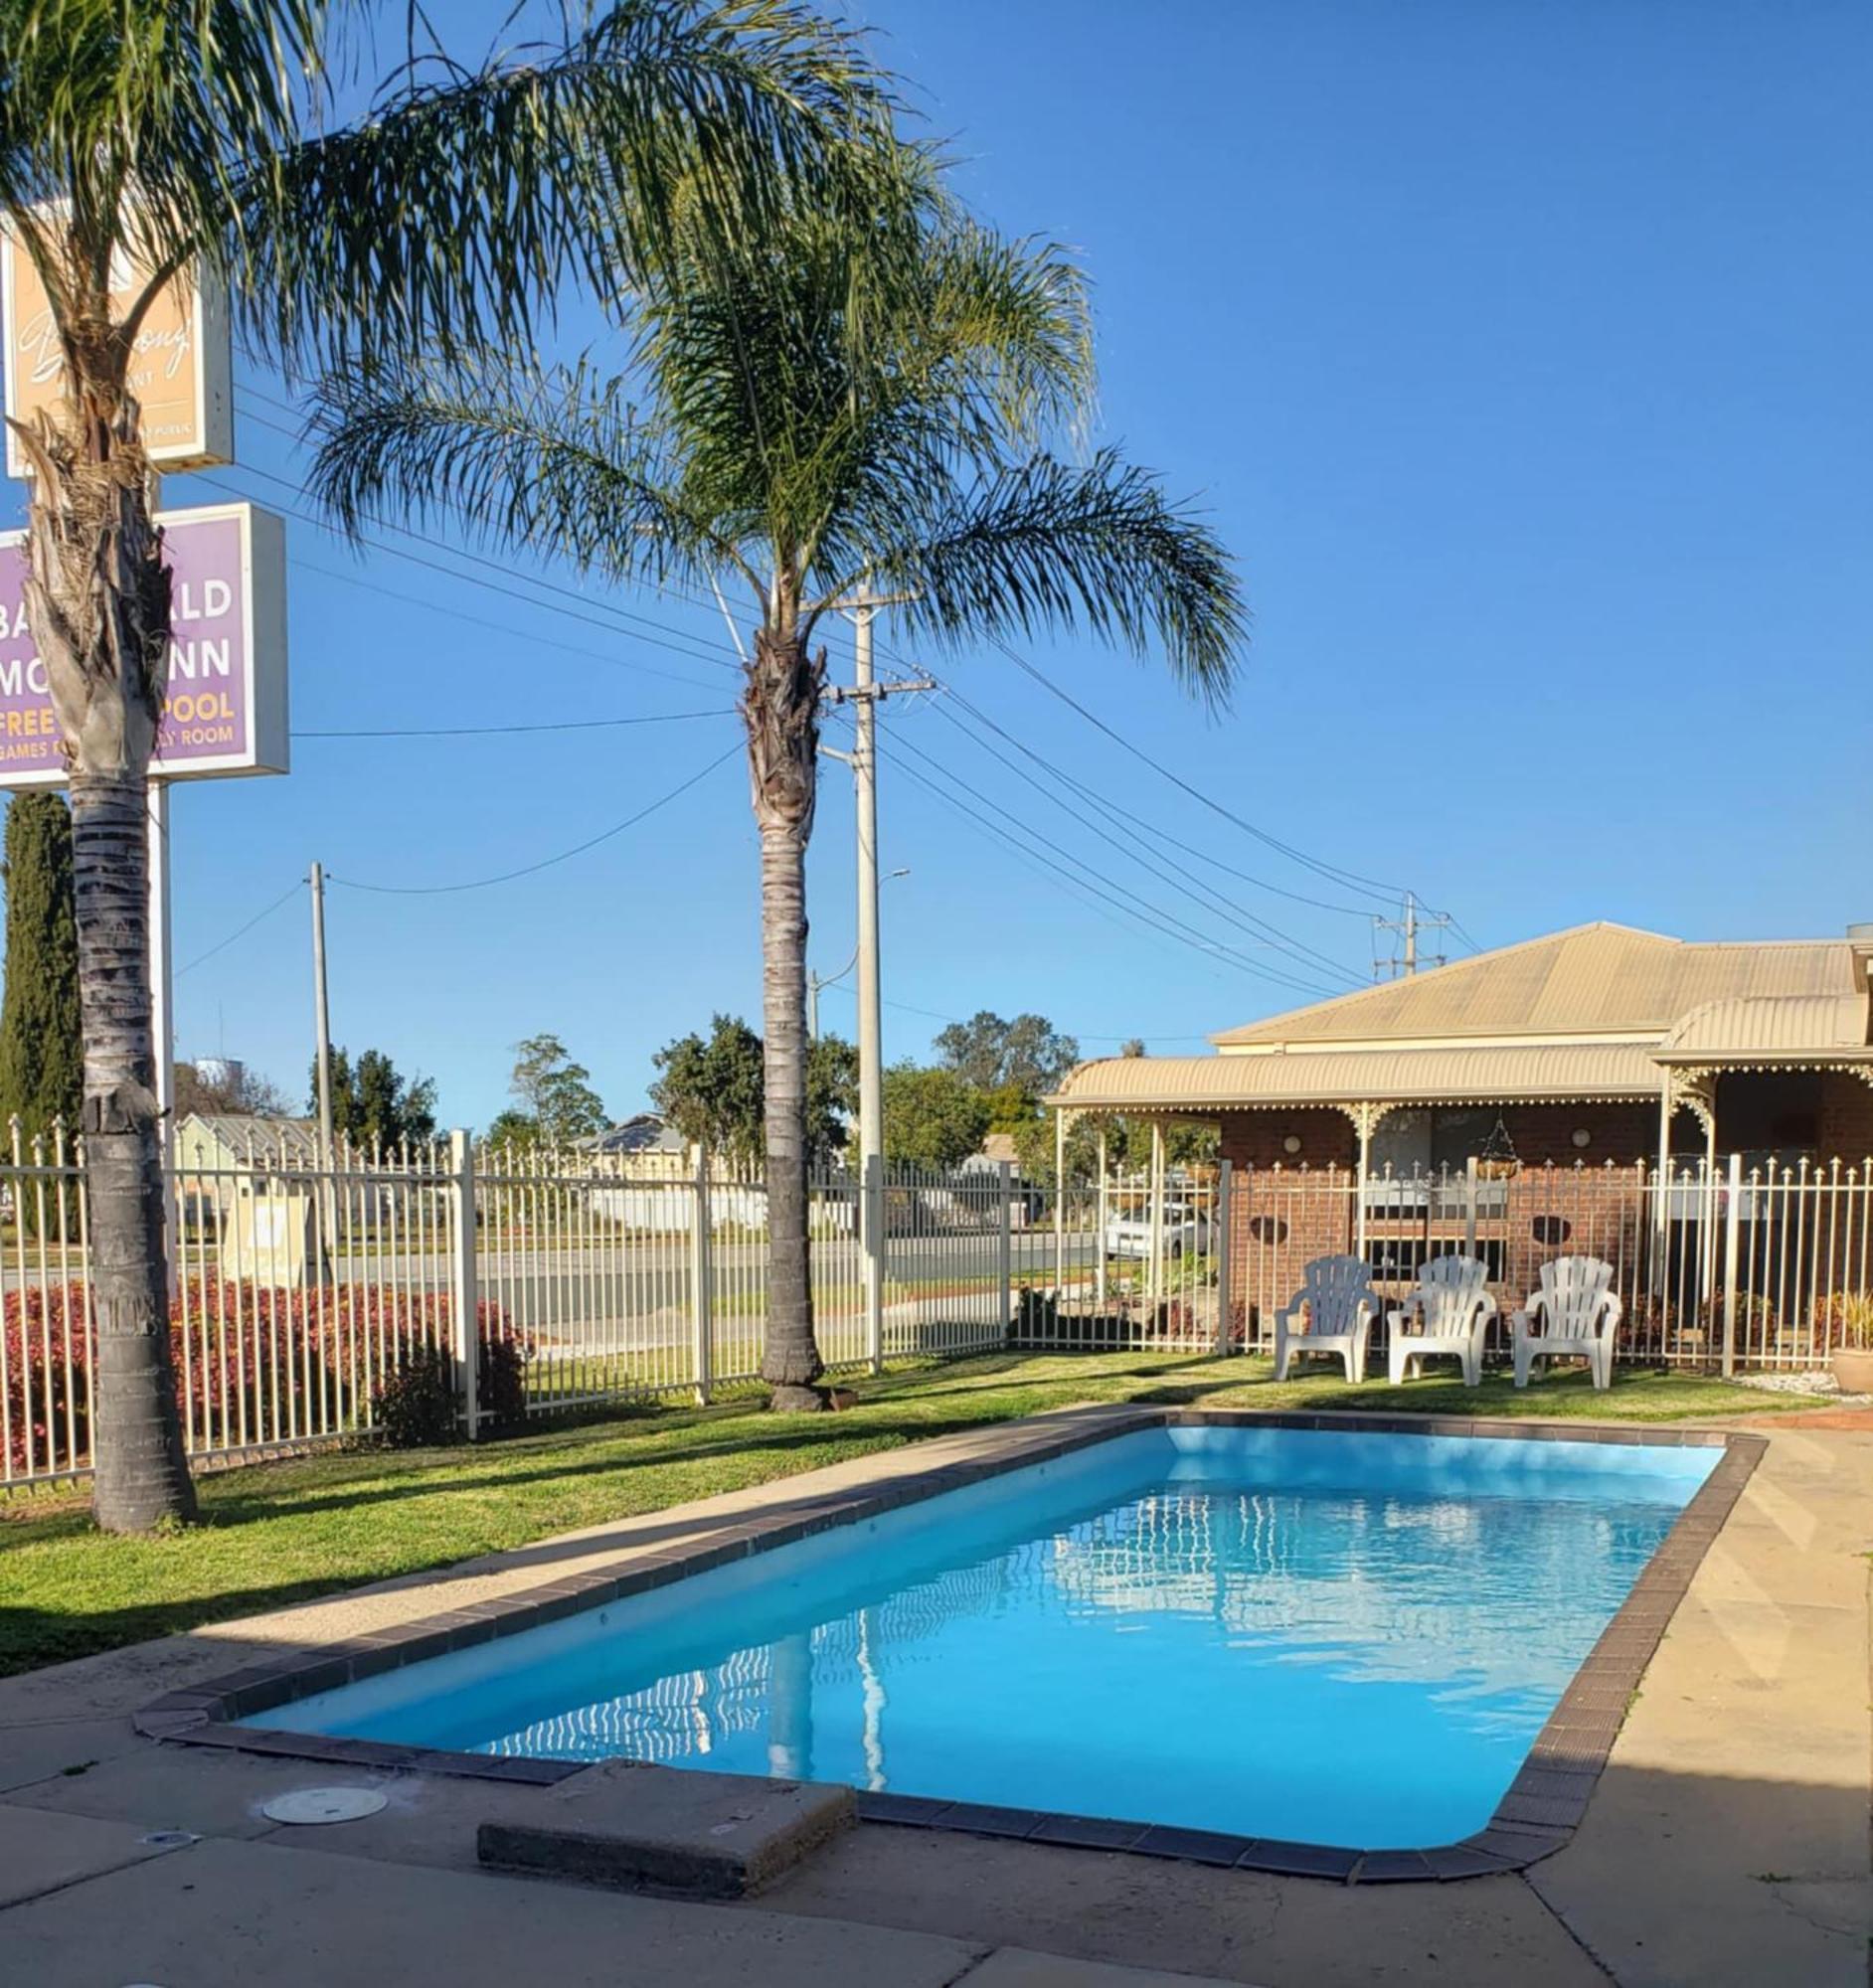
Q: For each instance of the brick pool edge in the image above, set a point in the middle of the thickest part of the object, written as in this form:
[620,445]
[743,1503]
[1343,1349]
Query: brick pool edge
[1536,1817]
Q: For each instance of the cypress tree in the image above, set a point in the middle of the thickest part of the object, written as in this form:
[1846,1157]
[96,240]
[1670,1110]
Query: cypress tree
[42,1051]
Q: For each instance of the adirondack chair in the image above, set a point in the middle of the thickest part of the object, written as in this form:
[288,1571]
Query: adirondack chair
[1579,1313]
[1447,1311]
[1341,1309]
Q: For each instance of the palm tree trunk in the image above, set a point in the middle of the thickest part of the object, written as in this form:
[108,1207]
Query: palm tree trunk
[781,708]
[141,1475]
[98,600]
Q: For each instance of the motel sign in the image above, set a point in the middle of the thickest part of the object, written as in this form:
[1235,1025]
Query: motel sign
[224,701]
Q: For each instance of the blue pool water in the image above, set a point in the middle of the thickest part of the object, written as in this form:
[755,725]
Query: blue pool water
[1330,1638]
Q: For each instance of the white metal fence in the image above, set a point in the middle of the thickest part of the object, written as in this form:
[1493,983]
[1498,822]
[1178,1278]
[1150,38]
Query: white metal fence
[1728,1268]
[299,1292]
[560,1281]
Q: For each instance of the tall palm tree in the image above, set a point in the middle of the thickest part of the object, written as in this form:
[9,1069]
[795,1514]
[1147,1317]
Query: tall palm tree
[182,136]
[851,404]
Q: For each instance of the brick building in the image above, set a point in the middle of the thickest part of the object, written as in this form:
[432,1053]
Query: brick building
[1564,1067]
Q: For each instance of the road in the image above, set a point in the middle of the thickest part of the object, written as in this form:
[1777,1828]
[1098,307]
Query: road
[636,1291]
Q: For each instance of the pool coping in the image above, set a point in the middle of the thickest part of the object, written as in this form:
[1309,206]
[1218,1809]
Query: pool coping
[1536,1817]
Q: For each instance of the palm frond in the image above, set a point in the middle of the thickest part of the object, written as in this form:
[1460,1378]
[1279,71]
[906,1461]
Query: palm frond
[1048,544]
[444,220]
[556,462]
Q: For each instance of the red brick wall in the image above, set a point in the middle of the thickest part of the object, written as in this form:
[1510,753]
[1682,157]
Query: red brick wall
[1287,1207]
[1846,1130]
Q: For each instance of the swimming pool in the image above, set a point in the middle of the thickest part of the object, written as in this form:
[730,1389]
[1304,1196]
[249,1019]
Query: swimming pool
[1318,1636]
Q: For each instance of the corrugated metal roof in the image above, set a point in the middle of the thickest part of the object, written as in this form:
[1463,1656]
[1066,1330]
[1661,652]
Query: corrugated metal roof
[1776,1027]
[1592,980]
[1506,1072]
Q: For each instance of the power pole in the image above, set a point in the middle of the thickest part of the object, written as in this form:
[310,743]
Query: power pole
[1408,926]
[866,693]
[322,1017]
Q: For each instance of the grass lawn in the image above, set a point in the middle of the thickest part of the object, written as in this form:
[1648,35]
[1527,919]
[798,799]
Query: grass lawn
[277,1533]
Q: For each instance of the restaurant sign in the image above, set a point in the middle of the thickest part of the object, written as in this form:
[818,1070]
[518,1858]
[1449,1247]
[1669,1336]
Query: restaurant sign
[225,709]
[181,371]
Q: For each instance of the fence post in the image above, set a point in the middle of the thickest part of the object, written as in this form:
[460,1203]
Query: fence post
[1098,1240]
[1469,1207]
[463,1303]
[1225,1180]
[1004,1248]
[1731,1225]
[872,1215]
[702,1280]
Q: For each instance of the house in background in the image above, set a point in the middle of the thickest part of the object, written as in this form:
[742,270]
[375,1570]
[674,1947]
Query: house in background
[1598,1042]
[1544,1096]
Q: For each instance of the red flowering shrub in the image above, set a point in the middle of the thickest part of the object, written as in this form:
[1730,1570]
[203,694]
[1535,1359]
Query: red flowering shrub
[253,1363]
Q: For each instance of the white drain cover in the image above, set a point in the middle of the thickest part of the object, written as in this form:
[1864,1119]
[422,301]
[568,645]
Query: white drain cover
[323,1805]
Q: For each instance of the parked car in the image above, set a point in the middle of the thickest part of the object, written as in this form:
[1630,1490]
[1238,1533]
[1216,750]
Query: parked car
[1186,1229]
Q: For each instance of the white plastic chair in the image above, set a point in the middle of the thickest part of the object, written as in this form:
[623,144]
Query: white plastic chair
[1579,1313]
[1341,1309]
[1447,1311]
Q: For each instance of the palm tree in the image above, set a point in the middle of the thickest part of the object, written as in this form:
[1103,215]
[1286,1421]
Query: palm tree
[851,404]
[188,136]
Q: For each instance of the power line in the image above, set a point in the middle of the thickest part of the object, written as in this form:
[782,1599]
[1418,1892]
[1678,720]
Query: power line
[1127,901]
[472,579]
[285,898]
[664,635]
[1308,957]
[1331,871]
[547,861]
[1112,808]
[528,635]
[507,730]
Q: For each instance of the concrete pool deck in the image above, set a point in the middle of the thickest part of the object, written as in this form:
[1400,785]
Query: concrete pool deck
[1727,1839]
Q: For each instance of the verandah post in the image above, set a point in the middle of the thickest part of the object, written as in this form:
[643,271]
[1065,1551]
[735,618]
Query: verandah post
[1731,1215]
[463,1297]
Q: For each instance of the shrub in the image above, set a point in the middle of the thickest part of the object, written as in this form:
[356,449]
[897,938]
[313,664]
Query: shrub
[415,1408]
[254,1363]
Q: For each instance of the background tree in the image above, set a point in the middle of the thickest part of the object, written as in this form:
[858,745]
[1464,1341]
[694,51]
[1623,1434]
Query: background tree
[861,398]
[1028,1054]
[374,1104]
[710,1088]
[554,1092]
[166,137]
[932,1117]
[713,1090]
[42,1049]
[241,1092]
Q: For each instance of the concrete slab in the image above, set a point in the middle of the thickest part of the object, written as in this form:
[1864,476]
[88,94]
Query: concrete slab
[1728,1840]
[41,1853]
[215,1792]
[1011,1967]
[709,1836]
[1230,1926]
[229,1915]
[49,1747]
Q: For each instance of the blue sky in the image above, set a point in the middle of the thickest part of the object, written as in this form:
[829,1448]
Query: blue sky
[1520,352]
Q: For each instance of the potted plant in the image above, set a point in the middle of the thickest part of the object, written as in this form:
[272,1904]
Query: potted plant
[1853,1351]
